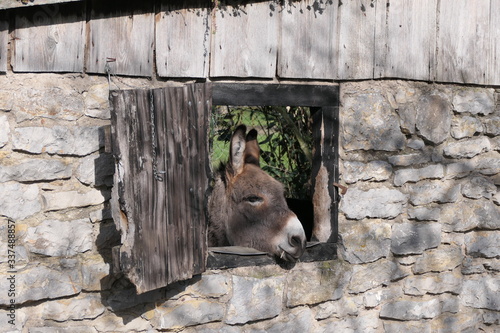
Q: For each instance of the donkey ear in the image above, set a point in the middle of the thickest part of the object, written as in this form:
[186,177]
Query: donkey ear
[237,149]
[252,149]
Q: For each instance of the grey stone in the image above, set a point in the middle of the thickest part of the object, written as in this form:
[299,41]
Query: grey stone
[473,214]
[13,320]
[474,101]
[492,126]
[416,143]
[96,170]
[254,299]
[466,321]
[365,242]
[460,169]
[482,293]
[35,169]
[424,213]
[444,258]
[433,119]
[187,312]
[124,322]
[369,276]
[19,201]
[366,322]
[374,298]
[483,244]
[317,282]
[491,318]
[407,118]
[414,238]
[407,327]
[372,171]
[61,140]
[414,175]
[426,192]
[414,309]
[97,101]
[211,286]
[465,127]
[377,203]
[69,199]
[433,283]
[340,309]
[488,163]
[298,321]
[4,130]
[96,274]
[370,123]
[478,187]
[467,148]
[60,238]
[409,159]
[472,266]
[40,282]
[61,329]
[88,306]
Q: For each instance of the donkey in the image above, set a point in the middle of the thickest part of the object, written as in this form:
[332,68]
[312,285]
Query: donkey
[247,207]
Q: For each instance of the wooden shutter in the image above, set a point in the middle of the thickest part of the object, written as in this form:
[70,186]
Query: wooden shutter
[162,221]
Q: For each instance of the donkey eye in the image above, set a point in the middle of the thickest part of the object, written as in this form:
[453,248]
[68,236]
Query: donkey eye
[254,199]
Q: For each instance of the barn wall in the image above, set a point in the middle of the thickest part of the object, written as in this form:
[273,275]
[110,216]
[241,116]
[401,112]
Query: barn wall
[419,224]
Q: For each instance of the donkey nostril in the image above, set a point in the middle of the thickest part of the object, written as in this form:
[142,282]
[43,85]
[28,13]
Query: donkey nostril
[295,241]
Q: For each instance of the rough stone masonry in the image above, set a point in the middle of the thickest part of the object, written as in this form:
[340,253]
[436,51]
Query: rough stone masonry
[419,225]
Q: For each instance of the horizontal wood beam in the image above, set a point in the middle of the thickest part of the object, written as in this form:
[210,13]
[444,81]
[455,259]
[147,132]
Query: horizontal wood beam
[6,4]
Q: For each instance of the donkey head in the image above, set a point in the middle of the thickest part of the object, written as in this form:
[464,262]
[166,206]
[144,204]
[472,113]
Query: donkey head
[257,212]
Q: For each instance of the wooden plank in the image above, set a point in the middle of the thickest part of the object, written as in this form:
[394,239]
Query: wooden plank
[274,94]
[49,39]
[463,41]
[6,4]
[4,41]
[357,39]
[493,67]
[121,37]
[310,52]
[406,40]
[183,28]
[245,39]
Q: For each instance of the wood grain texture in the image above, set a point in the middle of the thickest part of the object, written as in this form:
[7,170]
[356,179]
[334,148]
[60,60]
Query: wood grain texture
[463,41]
[406,39]
[6,4]
[245,39]
[183,39]
[49,39]
[493,68]
[4,41]
[122,31]
[309,45]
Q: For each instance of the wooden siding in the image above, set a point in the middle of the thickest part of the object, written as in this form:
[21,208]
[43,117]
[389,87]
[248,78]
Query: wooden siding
[4,41]
[162,222]
[431,40]
[6,4]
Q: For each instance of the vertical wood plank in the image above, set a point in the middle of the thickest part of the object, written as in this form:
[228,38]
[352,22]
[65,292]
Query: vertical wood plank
[463,41]
[49,38]
[4,40]
[245,39]
[122,37]
[357,39]
[309,52]
[493,68]
[406,39]
[183,39]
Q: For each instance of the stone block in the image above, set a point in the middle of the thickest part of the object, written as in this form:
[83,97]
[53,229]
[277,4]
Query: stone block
[325,281]
[87,306]
[488,163]
[376,203]
[424,213]
[484,244]
[492,126]
[374,298]
[71,199]
[426,192]
[409,159]
[472,214]
[299,320]
[96,100]
[465,127]
[215,285]
[415,238]
[366,322]
[370,123]
[482,293]
[433,119]
[35,169]
[372,171]
[339,309]
[22,200]
[411,309]
[96,274]
[254,299]
[4,130]
[60,238]
[407,327]
[444,258]
[464,321]
[62,329]
[474,101]
[414,175]
[467,148]
[369,276]
[365,242]
[96,170]
[433,283]
[478,187]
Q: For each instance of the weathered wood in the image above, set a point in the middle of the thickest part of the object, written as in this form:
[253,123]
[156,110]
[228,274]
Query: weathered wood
[121,37]
[183,39]
[245,39]
[275,94]
[49,39]
[6,4]
[357,39]
[406,39]
[162,222]
[463,41]
[493,68]
[309,52]
[4,40]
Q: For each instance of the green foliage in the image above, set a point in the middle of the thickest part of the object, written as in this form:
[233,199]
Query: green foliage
[284,135]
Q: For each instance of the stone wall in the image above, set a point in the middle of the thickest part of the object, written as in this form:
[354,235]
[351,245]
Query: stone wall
[419,224]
